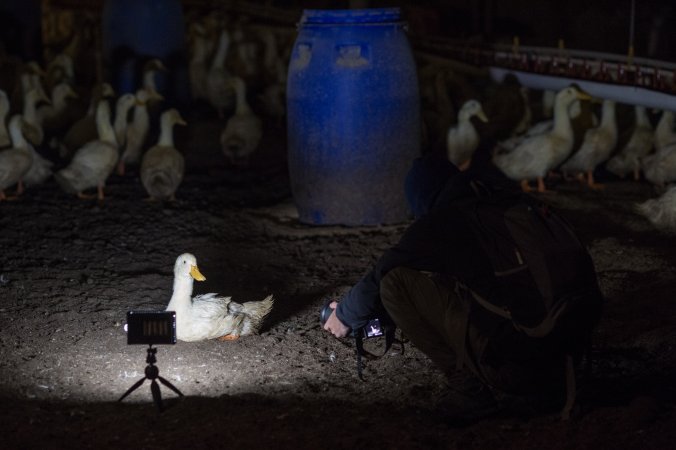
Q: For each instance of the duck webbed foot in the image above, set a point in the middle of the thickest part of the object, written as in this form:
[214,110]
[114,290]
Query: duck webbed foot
[229,337]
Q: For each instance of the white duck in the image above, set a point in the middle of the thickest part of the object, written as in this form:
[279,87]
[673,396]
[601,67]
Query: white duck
[93,163]
[210,316]
[137,131]
[661,211]
[122,106]
[659,168]
[243,131]
[163,166]
[32,129]
[664,131]
[5,139]
[150,70]
[40,170]
[597,146]
[535,156]
[219,88]
[198,63]
[15,161]
[462,138]
[54,118]
[525,122]
[628,159]
[84,130]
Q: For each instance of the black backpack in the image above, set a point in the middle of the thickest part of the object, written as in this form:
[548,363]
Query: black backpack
[544,278]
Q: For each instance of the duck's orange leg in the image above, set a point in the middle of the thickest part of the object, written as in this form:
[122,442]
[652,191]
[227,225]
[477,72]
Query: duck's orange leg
[84,196]
[590,181]
[525,186]
[229,337]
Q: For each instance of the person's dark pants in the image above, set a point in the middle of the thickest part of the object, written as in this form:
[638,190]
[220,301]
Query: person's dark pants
[432,315]
[435,318]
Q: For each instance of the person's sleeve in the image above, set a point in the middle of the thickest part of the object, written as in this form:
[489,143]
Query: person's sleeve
[418,249]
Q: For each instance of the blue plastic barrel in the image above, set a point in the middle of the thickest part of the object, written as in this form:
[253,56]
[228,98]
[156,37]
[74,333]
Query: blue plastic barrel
[353,114]
[135,31]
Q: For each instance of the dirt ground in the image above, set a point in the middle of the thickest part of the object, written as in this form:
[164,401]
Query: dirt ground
[71,269]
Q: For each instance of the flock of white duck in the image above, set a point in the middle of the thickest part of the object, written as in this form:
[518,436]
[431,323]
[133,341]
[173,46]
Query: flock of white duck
[535,152]
[45,136]
[239,69]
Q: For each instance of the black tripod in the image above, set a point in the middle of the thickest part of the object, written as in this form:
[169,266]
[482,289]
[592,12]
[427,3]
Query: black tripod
[153,374]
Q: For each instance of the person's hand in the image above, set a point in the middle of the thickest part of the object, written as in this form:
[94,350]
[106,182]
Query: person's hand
[333,324]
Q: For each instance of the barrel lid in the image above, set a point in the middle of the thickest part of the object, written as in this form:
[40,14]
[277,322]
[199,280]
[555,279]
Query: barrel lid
[348,16]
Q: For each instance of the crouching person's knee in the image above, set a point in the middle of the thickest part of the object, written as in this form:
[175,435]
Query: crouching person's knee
[395,285]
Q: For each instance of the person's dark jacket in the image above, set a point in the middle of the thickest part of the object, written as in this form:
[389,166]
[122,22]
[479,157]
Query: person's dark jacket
[440,242]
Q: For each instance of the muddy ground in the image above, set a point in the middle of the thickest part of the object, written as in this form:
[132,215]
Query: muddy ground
[71,269]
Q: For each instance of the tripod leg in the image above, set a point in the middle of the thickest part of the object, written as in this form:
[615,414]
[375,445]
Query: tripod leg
[170,386]
[157,395]
[131,389]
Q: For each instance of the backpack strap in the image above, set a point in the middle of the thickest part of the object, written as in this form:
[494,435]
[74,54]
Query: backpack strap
[571,388]
[541,330]
[361,352]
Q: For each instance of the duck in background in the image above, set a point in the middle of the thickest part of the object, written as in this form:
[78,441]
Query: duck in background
[527,117]
[507,108]
[55,118]
[84,129]
[243,131]
[93,163]
[150,71]
[664,131]
[15,161]
[597,146]
[628,159]
[59,70]
[137,131]
[219,88]
[462,139]
[211,316]
[659,168]
[32,129]
[660,211]
[535,156]
[30,77]
[272,99]
[5,139]
[163,166]
[124,103]
[198,62]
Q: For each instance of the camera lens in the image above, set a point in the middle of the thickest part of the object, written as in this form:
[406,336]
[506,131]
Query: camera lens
[325,312]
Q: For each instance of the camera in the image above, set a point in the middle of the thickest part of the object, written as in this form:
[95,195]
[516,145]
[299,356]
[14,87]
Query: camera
[373,328]
[151,327]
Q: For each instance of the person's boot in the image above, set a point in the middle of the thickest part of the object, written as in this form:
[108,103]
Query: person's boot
[467,400]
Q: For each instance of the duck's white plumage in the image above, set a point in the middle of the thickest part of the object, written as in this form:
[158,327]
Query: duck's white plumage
[462,138]
[52,116]
[243,131]
[32,128]
[93,163]
[137,132]
[597,145]
[664,131]
[661,211]
[210,316]
[122,106]
[535,156]
[5,139]
[15,161]
[219,89]
[198,62]
[660,167]
[163,166]
[628,159]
